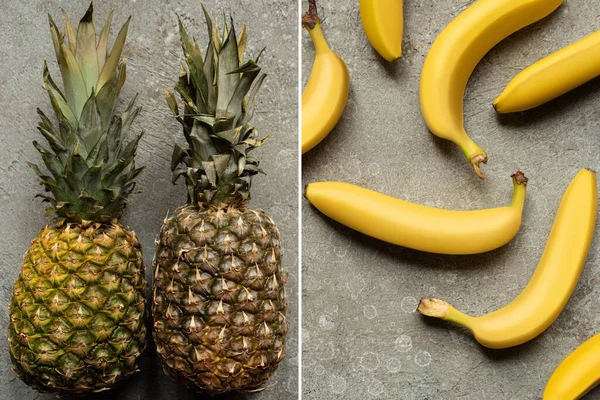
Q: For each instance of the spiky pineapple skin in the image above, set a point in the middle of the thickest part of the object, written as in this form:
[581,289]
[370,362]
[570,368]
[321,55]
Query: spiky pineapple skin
[219,298]
[77,311]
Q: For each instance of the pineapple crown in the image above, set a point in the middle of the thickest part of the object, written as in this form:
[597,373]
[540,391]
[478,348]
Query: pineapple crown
[91,165]
[218,92]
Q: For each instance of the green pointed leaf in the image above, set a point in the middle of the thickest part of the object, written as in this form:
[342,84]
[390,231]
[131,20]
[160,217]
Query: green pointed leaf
[86,55]
[75,90]
[232,135]
[249,73]
[195,64]
[210,171]
[112,61]
[249,112]
[63,112]
[227,81]
[92,178]
[74,169]
[107,96]
[201,142]
[221,162]
[53,141]
[129,116]
[101,48]
[50,161]
[90,124]
[206,119]
[178,154]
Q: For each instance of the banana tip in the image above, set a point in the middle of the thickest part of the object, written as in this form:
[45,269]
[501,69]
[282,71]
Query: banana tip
[476,160]
[433,308]
[520,178]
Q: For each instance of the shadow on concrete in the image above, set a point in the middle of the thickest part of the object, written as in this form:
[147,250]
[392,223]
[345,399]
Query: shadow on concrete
[554,108]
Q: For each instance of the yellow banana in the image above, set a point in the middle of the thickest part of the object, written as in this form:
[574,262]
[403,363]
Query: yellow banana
[416,226]
[326,93]
[383,25]
[552,76]
[455,54]
[577,374]
[550,287]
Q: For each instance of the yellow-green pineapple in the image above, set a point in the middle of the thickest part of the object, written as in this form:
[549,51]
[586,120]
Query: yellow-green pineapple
[219,297]
[77,312]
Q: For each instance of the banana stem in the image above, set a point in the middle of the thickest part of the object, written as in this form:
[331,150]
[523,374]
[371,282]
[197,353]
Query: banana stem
[312,23]
[520,182]
[311,18]
[475,154]
[440,309]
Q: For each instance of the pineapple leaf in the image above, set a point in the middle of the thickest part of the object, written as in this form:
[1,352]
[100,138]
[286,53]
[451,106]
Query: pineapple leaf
[226,80]
[129,116]
[195,64]
[249,72]
[101,48]
[86,55]
[242,43]
[75,90]
[92,179]
[106,97]
[217,37]
[178,154]
[64,113]
[70,32]
[210,171]
[232,135]
[249,111]
[172,103]
[53,141]
[201,142]
[90,124]
[51,162]
[75,167]
[110,65]
[221,161]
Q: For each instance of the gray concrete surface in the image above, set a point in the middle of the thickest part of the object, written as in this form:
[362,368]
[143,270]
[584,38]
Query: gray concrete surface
[154,56]
[361,336]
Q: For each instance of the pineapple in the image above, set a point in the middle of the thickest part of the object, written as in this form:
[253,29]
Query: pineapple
[219,298]
[77,311]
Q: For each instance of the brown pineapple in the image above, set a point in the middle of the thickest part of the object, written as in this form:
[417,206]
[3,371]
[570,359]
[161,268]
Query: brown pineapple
[219,297]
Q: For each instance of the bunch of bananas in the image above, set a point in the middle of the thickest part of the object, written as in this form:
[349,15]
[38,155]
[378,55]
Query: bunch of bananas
[448,66]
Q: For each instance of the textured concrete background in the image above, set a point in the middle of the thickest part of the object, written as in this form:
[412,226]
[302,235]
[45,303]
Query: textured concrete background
[154,56]
[361,336]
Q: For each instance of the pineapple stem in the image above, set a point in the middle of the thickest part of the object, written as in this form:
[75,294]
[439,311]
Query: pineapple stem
[311,18]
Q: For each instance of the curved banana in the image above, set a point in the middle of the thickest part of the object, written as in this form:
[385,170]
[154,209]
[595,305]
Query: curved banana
[326,93]
[577,374]
[552,76]
[550,287]
[383,24]
[455,54]
[416,226]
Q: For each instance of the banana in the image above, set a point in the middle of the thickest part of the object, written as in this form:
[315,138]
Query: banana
[455,54]
[577,374]
[326,93]
[553,282]
[419,227]
[552,76]
[383,25]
